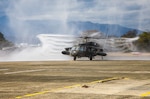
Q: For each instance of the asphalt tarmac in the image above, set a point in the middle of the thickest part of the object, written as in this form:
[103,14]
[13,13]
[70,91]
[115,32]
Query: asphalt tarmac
[118,79]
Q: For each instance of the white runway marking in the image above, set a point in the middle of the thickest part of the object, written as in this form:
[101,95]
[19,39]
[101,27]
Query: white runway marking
[3,69]
[132,72]
[25,71]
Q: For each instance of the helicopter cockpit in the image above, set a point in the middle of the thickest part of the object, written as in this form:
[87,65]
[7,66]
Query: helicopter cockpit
[77,49]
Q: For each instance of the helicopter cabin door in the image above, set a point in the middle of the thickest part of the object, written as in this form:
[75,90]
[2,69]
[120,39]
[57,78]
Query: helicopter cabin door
[82,50]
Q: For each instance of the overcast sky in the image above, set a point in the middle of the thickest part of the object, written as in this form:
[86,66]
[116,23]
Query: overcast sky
[130,13]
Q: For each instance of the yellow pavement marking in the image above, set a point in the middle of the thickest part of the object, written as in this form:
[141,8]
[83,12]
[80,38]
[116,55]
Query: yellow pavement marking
[33,94]
[106,80]
[68,87]
[145,94]
[73,86]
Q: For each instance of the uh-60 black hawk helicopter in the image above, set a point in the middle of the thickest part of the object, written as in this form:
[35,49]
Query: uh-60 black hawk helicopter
[87,48]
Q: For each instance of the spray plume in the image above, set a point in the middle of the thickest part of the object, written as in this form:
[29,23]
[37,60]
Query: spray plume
[28,18]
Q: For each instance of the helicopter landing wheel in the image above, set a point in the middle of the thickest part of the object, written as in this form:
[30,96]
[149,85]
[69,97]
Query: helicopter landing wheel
[74,58]
[91,57]
[102,57]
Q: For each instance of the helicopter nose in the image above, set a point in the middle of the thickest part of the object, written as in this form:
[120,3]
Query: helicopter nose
[102,54]
[65,52]
[73,53]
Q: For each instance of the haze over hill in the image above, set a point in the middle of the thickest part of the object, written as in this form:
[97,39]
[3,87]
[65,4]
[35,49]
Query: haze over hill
[56,27]
[22,20]
[107,29]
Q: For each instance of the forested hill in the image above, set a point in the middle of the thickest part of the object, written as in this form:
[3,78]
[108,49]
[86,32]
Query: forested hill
[4,43]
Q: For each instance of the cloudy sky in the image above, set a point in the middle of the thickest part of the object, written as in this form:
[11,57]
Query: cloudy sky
[129,13]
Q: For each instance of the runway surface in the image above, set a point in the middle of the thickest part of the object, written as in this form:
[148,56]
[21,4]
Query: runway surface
[75,80]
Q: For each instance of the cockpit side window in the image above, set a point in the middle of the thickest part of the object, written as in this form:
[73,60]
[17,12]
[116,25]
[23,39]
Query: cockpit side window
[73,48]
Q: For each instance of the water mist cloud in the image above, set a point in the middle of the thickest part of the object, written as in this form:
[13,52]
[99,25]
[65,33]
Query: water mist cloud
[22,13]
[28,18]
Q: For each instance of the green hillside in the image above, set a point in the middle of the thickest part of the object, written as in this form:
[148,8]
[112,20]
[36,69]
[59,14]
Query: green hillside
[4,43]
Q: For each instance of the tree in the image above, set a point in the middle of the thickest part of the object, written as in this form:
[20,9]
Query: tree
[143,42]
[130,34]
[2,37]
[4,42]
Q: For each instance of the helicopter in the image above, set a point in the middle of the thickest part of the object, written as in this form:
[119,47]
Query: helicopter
[88,44]
[87,48]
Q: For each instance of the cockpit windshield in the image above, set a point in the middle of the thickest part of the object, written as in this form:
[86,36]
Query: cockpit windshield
[82,48]
[79,48]
[75,48]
